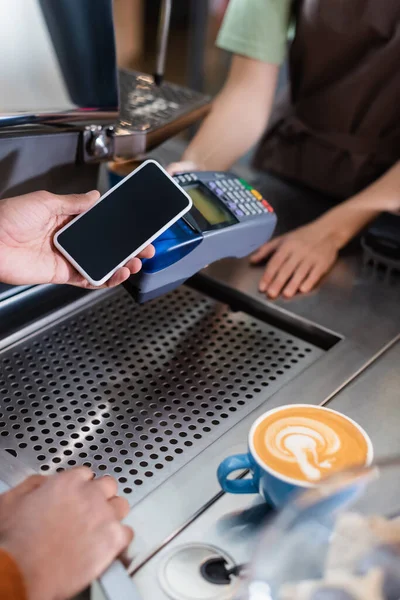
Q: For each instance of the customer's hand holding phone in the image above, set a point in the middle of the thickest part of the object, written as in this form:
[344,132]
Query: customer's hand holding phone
[27,227]
[123,222]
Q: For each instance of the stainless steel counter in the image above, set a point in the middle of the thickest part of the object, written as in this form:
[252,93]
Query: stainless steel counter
[373,400]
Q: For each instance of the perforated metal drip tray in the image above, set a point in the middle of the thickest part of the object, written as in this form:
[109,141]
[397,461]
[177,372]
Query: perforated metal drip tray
[138,391]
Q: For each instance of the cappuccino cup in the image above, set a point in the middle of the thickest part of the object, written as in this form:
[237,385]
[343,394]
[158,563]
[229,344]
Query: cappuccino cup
[294,447]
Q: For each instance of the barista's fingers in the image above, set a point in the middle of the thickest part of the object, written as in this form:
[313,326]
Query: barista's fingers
[299,276]
[265,250]
[274,265]
[313,277]
[283,275]
[182,167]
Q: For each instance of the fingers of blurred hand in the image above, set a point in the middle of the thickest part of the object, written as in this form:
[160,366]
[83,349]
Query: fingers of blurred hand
[264,251]
[128,537]
[75,204]
[106,485]
[181,167]
[118,537]
[75,475]
[120,507]
[299,276]
[29,485]
[283,273]
[275,263]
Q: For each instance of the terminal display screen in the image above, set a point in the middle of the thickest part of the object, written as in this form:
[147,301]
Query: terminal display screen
[210,207]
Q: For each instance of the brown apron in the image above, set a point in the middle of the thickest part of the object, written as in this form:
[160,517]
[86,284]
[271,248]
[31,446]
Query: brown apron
[340,129]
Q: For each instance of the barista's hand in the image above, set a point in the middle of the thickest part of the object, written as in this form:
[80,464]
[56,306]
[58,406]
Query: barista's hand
[63,531]
[27,226]
[183,166]
[300,258]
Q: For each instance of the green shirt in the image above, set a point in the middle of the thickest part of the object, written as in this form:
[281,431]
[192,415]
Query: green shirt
[256,28]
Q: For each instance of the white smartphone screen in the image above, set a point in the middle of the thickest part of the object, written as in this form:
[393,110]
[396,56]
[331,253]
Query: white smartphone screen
[127,218]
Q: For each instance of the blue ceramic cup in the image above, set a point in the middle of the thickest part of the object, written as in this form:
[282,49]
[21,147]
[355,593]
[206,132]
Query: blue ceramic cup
[274,487]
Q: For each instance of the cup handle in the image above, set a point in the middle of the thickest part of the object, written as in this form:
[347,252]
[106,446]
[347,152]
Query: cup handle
[233,463]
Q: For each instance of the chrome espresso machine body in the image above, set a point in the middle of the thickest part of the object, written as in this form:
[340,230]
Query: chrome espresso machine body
[65,106]
[158,394]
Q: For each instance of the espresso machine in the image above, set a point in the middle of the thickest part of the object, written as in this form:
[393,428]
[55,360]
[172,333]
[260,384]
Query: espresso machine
[66,107]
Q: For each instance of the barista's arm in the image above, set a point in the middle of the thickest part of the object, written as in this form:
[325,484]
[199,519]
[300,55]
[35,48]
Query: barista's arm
[352,216]
[301,257]
[238,117]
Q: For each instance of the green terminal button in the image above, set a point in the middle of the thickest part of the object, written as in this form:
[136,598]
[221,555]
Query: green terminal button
[246,185]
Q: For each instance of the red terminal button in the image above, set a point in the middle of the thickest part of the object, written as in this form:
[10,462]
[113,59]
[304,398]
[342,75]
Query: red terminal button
[267,206]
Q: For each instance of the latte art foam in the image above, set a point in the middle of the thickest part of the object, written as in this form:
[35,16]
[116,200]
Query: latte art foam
[309,443]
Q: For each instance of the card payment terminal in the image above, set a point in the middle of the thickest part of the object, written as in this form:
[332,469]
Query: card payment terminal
[228,219]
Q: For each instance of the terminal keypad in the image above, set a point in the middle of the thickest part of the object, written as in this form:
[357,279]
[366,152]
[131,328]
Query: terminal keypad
[240,197]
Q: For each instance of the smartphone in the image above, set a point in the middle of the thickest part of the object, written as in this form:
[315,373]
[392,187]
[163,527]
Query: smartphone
[123,222]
